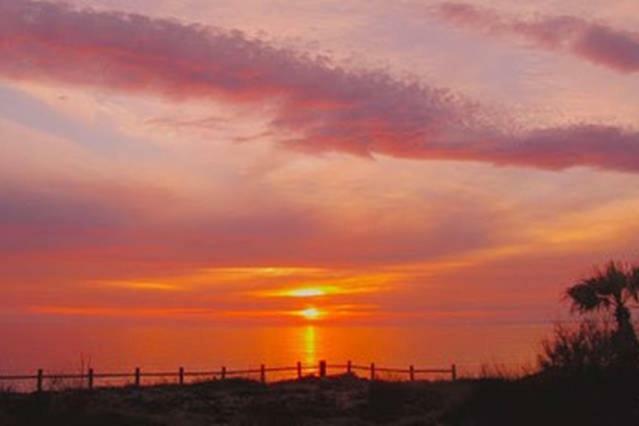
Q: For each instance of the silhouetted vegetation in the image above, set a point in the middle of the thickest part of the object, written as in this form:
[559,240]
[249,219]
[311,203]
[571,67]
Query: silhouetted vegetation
[594,347]
[588,349]
[588,375]
[533,400]
[611,290]
[344,400]
[579,400]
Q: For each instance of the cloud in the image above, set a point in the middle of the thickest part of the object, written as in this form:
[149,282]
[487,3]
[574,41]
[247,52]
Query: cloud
[594,42]
[317,106]
[98,224]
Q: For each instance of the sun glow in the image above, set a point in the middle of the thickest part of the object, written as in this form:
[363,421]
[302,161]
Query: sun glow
[311,314]
[316,291]
[307,292]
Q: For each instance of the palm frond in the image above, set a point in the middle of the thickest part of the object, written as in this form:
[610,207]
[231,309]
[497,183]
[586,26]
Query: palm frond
[585,296]
[614,280]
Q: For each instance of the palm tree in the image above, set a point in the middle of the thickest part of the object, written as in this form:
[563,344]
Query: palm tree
[611,289]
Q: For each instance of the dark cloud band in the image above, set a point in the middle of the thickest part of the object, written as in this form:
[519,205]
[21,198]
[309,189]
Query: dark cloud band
[318,106]
[593,42]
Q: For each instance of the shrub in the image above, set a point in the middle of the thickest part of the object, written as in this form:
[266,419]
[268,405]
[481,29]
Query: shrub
[588,348]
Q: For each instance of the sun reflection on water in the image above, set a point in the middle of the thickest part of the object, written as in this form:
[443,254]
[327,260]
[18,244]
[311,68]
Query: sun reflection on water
[309,340]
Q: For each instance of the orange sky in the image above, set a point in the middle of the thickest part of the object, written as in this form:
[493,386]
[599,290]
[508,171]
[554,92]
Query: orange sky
[333,163]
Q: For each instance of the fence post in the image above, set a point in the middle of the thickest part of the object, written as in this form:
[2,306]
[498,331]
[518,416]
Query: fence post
[137,377]
[322,368]
[412,373]
[349,367]
[299,370]
[453,372]
[372,371]
[262,373]
[223,375]
[39,380]
[90,378]
[181,376]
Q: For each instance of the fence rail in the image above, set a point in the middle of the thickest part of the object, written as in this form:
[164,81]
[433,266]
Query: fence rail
[322,369]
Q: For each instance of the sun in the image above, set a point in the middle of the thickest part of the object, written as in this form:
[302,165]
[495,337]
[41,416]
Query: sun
[311,314]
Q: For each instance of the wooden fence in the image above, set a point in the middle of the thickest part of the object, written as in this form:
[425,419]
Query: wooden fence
[322,369]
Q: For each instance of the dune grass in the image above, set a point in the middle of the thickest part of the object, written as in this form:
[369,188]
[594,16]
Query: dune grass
[344,400]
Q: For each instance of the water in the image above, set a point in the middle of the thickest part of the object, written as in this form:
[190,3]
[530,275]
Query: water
[115,348]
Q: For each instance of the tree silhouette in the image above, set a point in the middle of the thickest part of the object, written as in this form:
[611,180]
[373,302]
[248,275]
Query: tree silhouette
[612,290]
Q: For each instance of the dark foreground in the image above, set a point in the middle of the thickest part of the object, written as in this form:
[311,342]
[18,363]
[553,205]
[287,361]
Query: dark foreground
[342,400]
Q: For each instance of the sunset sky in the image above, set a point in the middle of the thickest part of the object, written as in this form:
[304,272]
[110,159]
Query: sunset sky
[337,161]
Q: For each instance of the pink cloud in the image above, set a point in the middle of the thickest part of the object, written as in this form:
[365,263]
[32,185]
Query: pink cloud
[594,42]
[318,106]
